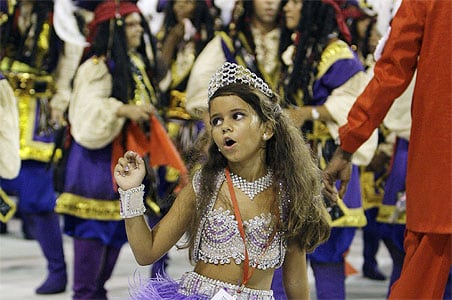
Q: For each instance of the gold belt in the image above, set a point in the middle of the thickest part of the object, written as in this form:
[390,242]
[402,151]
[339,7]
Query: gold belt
[28,84]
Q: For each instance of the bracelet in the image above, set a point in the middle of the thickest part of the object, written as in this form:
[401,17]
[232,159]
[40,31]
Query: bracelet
[315,114]
[132,202]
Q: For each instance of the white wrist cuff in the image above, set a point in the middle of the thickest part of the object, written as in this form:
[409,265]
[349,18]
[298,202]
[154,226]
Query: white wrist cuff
[132,202]
[315,114]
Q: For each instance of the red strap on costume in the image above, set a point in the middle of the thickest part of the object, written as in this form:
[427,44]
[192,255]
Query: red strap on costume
[246,264]
[159,145]
[247,273]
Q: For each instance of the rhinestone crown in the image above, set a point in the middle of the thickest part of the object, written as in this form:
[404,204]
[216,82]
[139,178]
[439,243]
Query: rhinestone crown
[230,73]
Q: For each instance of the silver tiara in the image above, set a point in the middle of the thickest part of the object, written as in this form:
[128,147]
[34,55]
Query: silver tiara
[230,73]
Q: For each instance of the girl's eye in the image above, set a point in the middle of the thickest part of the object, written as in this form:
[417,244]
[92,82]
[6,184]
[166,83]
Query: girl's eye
[216,121]
[238,116]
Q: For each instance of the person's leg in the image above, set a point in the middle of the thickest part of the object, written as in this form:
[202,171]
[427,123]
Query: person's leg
[3,228]
[329,280]
[426,266]
[88,259]
[327,263]
[394,243]
[371,243]
[36,203]
[109,260]
[45,228]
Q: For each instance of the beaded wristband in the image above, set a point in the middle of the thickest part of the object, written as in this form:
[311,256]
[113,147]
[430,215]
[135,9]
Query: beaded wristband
[132,202]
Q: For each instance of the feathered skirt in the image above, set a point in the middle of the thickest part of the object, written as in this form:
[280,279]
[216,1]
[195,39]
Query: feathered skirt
[193,286]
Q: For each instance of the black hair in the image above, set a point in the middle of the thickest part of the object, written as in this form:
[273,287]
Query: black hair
[202,20]
[117,57]
[12,43]
[316,27]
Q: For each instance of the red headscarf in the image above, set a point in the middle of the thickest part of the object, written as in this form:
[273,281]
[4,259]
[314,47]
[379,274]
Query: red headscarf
[340,18]
[108,10]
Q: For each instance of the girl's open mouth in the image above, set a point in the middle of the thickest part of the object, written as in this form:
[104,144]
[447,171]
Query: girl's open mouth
[228,142]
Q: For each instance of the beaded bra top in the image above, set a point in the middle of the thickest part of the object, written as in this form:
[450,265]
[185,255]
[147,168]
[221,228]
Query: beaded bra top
[218,240]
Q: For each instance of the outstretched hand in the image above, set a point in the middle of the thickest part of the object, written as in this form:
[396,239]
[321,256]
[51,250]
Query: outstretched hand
[339,168]
[130,170]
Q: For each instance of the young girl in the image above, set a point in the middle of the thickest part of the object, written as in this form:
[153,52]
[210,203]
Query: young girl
[253,206]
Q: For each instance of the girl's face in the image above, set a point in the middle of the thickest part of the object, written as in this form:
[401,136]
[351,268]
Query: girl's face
[292,12]
[184,9]
[237,130]
[134,30]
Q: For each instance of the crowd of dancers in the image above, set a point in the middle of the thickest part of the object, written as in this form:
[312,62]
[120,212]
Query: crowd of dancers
[145,95]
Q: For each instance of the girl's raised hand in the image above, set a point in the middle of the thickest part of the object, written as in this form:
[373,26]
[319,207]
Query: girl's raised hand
[129,171]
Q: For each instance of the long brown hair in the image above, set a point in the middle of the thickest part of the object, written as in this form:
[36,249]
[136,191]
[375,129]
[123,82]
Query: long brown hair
[292,163]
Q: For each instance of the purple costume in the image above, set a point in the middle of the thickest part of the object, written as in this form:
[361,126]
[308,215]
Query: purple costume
[340,65]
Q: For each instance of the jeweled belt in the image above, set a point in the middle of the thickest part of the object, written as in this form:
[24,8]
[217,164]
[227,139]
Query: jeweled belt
[28,84]
[193,283]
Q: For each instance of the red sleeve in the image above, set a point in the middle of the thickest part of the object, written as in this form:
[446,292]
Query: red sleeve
[392,74]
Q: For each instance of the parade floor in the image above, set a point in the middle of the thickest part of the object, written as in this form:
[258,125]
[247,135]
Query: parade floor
[22,269]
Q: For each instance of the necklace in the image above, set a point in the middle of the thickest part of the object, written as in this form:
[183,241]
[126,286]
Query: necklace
[251,189]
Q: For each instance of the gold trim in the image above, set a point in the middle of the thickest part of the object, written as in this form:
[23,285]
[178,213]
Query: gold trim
[10,65]
[371,191]
[177,106]
[271,79]
[387,213]
[43,44]
[333,52]
[88,208]
[12,205]
[30,149]
[183,64]
[141,95]
[153,206]
[354,217]
[230,45]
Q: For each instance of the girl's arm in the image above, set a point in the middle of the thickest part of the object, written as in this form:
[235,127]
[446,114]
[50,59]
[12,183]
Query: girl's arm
[295,273]
[149,245]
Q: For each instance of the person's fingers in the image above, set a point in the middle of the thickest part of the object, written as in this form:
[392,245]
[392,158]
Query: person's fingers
[130,155]
[120,167]
[332,196]
[343,188]
[329,189]
[330,178]
[133,159]
[122,162]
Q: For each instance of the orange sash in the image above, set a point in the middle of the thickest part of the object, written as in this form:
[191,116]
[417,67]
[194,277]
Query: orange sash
[158,145]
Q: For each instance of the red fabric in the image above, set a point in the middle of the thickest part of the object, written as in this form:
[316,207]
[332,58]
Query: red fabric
[354,12]
[343,28]
[425,268]
[159,145]
[420,39]
[109,10]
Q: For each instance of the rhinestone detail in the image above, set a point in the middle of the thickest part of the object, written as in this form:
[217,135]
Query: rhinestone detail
[251,189]
[230,73]
[221,242]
